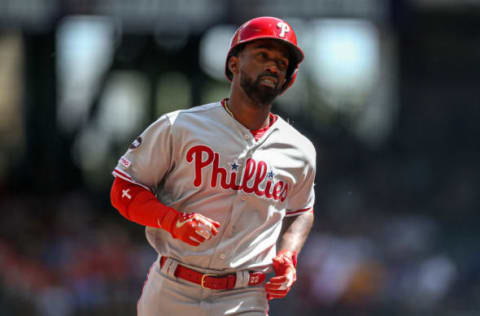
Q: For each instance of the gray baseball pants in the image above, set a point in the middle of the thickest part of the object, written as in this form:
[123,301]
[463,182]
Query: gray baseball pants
[164,294]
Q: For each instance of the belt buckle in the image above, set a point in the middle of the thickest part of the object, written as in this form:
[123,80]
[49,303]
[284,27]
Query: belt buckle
[202,280]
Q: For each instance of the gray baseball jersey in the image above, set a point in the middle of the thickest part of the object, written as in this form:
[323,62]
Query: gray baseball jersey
[202,160]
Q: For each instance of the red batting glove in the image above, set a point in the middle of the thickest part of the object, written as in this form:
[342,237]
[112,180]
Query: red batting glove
[191,228]
[284,265]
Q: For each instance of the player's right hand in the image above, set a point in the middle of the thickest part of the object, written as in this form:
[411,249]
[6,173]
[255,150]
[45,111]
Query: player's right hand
[193,228]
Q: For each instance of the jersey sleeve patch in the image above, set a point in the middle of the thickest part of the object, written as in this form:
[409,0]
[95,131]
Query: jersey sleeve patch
[298,212]
[124,162]
[136,143]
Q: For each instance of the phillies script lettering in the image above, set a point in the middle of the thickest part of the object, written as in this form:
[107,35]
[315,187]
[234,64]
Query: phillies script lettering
[254,173]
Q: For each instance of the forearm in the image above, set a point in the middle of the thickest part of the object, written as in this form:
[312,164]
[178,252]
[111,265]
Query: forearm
[295,232]
[138,204]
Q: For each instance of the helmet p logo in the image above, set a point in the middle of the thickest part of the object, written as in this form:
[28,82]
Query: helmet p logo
[284,28]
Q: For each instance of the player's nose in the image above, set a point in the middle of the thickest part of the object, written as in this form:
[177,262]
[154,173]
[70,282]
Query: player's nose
[271,68]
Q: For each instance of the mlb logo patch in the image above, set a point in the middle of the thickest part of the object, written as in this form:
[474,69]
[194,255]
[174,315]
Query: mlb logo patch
[136,143]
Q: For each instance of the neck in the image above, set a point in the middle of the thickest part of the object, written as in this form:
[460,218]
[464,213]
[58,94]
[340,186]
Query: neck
[251,115]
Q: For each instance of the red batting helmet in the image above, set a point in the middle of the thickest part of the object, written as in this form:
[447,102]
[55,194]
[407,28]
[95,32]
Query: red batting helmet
[271,28]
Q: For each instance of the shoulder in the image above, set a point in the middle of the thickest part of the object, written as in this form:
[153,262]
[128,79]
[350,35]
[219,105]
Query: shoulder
[182,120]
[296,139]
[186,119]
[199,112]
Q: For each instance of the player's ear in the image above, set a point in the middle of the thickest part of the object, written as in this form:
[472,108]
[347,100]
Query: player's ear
[233,63]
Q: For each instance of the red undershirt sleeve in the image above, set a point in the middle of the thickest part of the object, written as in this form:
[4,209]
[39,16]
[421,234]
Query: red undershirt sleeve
[138,205]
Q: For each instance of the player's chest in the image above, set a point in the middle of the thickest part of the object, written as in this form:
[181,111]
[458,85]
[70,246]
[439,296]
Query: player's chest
[268,169]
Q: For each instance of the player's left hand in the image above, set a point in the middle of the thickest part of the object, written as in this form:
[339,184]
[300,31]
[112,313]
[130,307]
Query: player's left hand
[284,265]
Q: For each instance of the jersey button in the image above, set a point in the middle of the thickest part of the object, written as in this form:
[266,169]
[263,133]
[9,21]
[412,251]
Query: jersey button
[222,256]
[247,136]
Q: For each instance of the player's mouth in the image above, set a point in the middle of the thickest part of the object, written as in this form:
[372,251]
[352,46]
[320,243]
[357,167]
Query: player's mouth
[269,81]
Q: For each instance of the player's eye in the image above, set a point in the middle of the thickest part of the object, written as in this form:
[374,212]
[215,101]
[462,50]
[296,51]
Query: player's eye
[262,55]
[282,65]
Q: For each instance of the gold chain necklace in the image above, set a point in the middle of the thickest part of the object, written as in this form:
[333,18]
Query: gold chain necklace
[228,109]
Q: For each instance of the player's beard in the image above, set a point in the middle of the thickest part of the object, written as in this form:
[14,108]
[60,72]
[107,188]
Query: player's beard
[261,94]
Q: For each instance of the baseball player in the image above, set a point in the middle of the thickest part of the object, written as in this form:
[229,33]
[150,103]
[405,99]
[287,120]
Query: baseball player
[225,189]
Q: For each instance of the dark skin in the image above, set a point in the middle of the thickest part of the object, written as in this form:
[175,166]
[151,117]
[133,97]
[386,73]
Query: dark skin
[295,232]
[265,63]
[255,59]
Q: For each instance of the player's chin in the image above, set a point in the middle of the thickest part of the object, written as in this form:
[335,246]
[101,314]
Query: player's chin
[266,95]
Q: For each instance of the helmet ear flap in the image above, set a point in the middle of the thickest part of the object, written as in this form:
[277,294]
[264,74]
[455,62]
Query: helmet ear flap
[290,81]
[291,76]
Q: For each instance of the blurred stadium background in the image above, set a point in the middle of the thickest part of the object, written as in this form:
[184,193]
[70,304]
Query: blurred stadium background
[388,93]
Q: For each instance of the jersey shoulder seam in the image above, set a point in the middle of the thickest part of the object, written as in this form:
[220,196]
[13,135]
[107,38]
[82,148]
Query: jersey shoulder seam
[198,108]
[175,115]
